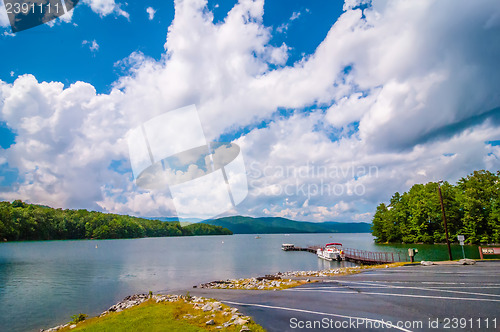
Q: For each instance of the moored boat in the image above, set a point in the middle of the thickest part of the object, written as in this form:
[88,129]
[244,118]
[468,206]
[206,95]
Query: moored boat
[331,251]
[287,246]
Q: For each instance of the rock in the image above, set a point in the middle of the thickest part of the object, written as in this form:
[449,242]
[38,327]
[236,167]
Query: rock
[426,263]
[210,322]
[72,326]
[234,310]
[227,324]
[207,307]
[467,261]
[244,328]
[240,321]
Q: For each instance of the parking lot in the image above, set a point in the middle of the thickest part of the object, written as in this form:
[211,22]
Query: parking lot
[409,298]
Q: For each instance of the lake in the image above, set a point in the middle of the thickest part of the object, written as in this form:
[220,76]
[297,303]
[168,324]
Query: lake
[43,283]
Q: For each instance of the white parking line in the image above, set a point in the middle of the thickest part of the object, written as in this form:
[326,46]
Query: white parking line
[430,288]
[402,295]
[457,283]
[423,282]
[429,272]
[418,288]
[318,313]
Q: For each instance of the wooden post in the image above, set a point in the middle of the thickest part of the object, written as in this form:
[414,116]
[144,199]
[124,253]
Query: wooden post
[480,252]
[444,220]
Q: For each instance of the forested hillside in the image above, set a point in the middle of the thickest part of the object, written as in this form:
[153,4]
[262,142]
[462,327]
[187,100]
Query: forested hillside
[277,225]
[472,209]
[21,221]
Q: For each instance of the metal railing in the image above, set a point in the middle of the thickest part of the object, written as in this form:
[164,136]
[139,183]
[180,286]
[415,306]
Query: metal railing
[373,256]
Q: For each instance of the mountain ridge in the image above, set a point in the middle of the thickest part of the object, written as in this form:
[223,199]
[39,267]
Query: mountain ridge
[279,225]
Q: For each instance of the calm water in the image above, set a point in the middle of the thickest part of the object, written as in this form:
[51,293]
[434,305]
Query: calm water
[43,283]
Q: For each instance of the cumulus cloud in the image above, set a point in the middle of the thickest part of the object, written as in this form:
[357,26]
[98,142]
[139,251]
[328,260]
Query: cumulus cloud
[92,45]
[106,7]
[396,94]
[151,13]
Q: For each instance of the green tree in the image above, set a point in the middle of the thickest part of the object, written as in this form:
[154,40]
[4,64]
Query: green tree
[21,221]
[479,201]
[472,208]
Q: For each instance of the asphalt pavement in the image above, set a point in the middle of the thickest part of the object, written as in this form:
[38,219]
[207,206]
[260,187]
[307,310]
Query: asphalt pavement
[408,298]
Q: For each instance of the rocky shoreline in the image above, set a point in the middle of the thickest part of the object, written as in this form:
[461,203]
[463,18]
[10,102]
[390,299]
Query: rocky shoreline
[269,282]
[277,281]
[234,317]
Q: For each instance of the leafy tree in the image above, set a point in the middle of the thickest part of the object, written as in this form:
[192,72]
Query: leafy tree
[21,221]
[479,201]
[472,208]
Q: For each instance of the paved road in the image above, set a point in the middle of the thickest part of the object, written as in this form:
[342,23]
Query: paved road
[409,298]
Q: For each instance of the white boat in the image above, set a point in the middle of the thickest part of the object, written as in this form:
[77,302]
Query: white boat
[331,251]
[287,246]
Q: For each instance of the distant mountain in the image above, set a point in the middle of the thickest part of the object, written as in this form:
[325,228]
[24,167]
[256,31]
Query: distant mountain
[183,221]
[272,225]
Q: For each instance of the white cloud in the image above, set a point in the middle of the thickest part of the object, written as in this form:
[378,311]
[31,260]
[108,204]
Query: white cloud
[4,19]
[350,4]
[93,46]
[295,15]
[284,26]
[106,7]
[151,13]
[399,95]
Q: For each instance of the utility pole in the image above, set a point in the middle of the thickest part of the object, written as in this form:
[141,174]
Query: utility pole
[444,219]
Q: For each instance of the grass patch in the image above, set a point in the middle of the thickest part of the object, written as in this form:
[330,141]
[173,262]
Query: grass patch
[163,316]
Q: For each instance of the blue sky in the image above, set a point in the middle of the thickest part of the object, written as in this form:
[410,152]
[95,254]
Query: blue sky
[60,55]
[369,97]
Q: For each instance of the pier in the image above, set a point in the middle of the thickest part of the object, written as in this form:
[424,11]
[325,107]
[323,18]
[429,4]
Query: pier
[359,256]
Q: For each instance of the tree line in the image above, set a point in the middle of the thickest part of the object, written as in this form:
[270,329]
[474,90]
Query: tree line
[472,208]
[21,221]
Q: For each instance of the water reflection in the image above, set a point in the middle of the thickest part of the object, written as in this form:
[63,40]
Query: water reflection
[43,283]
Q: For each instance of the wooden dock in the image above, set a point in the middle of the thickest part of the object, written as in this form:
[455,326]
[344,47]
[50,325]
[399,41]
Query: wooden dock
[360,256]
[310,249]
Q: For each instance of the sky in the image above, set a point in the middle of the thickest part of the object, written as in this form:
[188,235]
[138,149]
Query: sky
[335,105]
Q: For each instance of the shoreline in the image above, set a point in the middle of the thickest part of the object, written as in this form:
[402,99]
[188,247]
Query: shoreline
[274,282]
[210,311]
